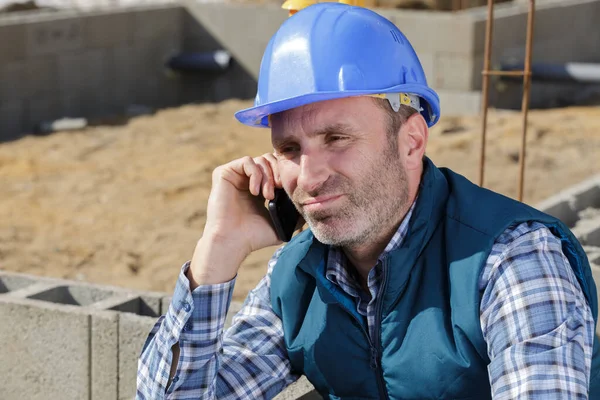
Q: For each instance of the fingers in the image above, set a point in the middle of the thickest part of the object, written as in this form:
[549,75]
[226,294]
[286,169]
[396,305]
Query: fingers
[255,173]
[271,180]
[270,157]
[242,173]
[268,182]
[260,174]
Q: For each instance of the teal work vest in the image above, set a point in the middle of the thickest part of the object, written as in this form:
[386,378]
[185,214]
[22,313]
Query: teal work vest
[428,341]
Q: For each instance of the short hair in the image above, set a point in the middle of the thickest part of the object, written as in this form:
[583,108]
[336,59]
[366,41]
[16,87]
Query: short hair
[395,118]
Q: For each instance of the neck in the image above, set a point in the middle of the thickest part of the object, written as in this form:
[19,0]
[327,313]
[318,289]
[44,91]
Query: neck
[364,256]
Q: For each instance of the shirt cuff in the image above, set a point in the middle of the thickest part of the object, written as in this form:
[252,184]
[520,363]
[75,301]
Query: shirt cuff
[202,310]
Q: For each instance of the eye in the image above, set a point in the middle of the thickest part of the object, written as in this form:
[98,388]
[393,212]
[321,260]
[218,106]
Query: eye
[288,150]
[336,138]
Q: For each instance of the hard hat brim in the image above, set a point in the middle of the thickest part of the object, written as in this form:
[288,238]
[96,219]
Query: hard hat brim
[257,116]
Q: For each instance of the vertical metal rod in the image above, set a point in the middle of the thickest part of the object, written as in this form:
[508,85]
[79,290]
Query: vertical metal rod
[489,26]
[525,101]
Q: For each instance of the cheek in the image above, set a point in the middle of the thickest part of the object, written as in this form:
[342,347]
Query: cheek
[351,163]
[288,173]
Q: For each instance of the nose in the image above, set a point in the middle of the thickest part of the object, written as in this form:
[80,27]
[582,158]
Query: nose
[313,172]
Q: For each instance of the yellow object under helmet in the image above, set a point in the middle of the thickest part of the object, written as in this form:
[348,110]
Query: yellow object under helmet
[296,5]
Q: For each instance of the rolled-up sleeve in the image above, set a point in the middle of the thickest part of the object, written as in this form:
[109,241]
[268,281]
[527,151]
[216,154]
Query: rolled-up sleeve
[535,318]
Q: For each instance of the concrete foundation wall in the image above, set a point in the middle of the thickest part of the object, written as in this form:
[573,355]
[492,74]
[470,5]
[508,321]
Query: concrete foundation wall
[67,64]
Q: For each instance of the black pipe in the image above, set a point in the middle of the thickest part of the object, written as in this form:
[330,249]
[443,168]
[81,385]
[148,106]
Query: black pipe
[569,72]
[213,61]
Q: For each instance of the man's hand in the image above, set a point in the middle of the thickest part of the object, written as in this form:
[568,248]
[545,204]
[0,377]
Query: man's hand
[237,222]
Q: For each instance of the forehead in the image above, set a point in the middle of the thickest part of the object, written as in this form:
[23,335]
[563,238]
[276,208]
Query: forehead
[356,113]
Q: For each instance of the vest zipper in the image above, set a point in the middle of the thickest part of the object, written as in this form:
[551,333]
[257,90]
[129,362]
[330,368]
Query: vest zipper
[375,342]
[376,345]
[374,359]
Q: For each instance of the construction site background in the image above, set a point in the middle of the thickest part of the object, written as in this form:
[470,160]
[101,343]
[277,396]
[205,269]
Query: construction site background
[114,207]
[7,6]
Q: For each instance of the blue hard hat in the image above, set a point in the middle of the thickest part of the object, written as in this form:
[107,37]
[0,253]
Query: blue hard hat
[330,51]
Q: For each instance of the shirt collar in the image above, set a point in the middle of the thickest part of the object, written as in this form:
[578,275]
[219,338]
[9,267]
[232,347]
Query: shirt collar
[336,260]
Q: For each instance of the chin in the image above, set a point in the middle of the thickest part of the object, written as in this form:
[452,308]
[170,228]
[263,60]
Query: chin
[330,234]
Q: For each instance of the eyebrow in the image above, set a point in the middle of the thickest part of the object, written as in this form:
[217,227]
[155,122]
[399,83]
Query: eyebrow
[339,128]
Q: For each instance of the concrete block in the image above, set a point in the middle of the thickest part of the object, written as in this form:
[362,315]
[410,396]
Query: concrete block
[588,195]
[9,283]
[587,229]
[133,331]
[302,389]
[45,351]
[108,29]
[78,295]
[12,119]
[567,204]
[158,23]
[165,302]
[104,355]
[54,36]
[562,210]
[147,306]
[13,46]
[593,235]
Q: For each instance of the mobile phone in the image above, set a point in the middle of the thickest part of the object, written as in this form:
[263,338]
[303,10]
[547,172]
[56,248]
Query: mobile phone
[283,215]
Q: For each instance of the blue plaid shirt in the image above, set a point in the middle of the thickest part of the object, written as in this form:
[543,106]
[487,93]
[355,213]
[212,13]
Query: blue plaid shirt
[531,303]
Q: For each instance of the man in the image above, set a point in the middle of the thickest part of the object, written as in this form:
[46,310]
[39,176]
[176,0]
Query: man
[411,282]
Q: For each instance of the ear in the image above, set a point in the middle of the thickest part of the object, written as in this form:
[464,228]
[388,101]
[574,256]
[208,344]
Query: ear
[414,134]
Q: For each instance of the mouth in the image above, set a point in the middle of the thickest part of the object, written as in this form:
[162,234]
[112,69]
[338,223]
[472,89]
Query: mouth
[320,202]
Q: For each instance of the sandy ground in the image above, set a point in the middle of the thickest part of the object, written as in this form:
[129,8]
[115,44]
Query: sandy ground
[125,205]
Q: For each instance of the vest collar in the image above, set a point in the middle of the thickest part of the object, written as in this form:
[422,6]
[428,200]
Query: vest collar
[429,210]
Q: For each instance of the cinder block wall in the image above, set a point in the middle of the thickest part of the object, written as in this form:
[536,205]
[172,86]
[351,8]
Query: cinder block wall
[579,208]
[67,64]
[71,340]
